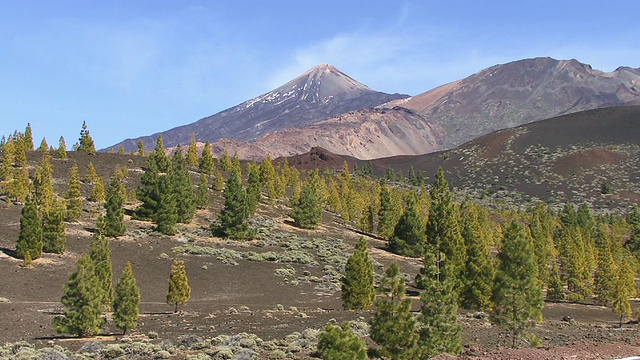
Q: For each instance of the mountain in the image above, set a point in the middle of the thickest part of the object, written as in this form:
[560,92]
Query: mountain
[521,92]
[318,94]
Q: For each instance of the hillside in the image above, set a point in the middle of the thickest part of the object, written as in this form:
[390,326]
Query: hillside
[559,159]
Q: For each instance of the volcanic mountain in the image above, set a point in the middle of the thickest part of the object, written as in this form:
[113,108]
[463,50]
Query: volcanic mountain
[316,95]
[520,92]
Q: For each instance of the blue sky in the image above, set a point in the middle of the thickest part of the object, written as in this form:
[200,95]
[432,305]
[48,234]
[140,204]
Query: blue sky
[133,68]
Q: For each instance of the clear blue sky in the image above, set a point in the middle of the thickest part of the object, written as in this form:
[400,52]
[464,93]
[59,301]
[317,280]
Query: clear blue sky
[132,68]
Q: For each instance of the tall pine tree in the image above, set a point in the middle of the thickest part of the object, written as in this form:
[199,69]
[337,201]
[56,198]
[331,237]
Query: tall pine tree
[234,215]
[83,309]
[100,254]
[85,143]
[182,189]
[30,235]
[393,327]
[115,210]
[179,291]
[74,196]
[409,234]
[517,297]
[126,305]
[358,291]
[53,230]
[166,215]
[307,211]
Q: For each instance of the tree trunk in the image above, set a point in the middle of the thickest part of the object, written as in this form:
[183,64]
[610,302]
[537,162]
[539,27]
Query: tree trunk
[176,309]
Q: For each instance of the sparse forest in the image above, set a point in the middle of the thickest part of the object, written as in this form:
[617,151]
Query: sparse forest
[403,257]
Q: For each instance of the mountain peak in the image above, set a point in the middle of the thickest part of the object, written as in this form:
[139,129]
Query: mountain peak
[323,82]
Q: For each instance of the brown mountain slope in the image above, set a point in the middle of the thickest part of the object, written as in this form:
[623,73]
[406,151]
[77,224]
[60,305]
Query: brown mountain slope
[364,134]
[521,92]
[318,94]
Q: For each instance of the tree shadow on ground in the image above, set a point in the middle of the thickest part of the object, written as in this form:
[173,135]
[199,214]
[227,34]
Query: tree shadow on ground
[10,252]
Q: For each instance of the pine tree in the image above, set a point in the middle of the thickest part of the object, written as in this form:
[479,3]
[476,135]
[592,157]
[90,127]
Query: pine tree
[443,231]
[179,290]
[53,230]
[555,290]
[100,255]
[126,305]
[166,215]
[83,308]
[28,138]
[98,193]
[159,156]
[43,145]
[202,193]
[149,192]
[517,297]
[307,211]
[225,161]
[409,234]
[182,188]
[541,227]
[43,184]
[218,180]
[6,169]
[192,151]
[140,148]
[478,273]
[439,329]
[30,235]
[234,215]
[20,187]
[358,291]
[269,178]
[91,174]
[115,210]
[254,189]
[62,148]
[86,142]
[393,327]
[20,156]
[340,343]
[207,165]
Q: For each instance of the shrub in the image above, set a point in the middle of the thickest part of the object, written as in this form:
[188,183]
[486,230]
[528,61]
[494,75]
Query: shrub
[339,342]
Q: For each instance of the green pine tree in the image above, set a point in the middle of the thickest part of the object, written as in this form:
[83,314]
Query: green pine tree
[192,151]
[166,215]
[202,193]
[443,230]
[83,309]
[358,291]
[43,145]
[254,189]
[149,192]
[517,297]
[98,192]
[86,142]
[91,175]
[140,148]
[542,228]
[234,215]
[115,211]
[179,290]
[340,343]
[126,305]
[182,189]
[53,230]
[479,271]
[555,290]
[100,254]
[393,327]
[225,161]
[307,211]
[30,235]
[409,234]
[43,184]
[62,148]
[159,156]
[74,196]
[268,177]
[207,165]
[28,138]
[439,330]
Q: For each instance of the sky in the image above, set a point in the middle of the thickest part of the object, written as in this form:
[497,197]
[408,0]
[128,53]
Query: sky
[137,67]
